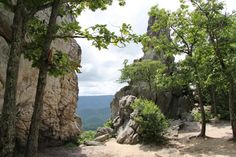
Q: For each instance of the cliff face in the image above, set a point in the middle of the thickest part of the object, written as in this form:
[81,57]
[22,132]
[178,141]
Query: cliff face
[59,122]
[173,103]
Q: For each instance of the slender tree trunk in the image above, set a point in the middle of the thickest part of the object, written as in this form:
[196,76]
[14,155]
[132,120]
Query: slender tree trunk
[8,118]
[32,143]
[214,101]
[203,115]
[229,77]
[232,110]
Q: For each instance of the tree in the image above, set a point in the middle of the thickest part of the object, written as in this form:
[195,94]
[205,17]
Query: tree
[32,143]
[23,11]
[8,118]
[144,71]
[205,35]
[220,29]
[186,39]
[100,36]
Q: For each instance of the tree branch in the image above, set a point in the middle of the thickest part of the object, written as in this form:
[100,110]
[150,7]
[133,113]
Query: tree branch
[48,5]
[68,36]
[184,41]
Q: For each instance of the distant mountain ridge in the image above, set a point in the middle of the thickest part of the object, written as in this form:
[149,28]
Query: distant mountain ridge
[94,110]
[90,102]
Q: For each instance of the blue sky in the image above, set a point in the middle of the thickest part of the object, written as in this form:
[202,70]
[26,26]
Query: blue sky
[100,69]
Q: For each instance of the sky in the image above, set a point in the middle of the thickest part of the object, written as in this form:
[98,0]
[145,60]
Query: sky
[101,69]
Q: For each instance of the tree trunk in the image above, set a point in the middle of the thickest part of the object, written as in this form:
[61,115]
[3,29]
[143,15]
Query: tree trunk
[203,115]
[230,79]
[214,102]
[32,143]
[8,118]
[232,110]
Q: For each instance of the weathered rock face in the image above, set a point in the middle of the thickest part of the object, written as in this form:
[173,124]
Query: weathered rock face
[59,122]
[124,124]
[149,51]
[127,130]
[124,128]
[173,103]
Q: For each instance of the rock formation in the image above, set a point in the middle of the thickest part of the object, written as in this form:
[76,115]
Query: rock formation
[175,102]
[124,124]
[59,122]
[124,127]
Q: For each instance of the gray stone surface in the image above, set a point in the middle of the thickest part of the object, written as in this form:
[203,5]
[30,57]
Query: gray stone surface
[174,128]
[103,131]
[124,124]
[102,138]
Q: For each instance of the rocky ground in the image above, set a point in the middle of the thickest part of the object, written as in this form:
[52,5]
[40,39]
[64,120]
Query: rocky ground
[218,145]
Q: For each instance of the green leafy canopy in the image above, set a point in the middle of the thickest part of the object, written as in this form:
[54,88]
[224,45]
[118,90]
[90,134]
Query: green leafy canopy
[100,36]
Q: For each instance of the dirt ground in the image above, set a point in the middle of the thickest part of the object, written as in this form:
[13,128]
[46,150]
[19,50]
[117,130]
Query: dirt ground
[218,145]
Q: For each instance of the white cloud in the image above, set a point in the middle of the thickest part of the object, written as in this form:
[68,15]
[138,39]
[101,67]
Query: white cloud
[99,87]
[100,69]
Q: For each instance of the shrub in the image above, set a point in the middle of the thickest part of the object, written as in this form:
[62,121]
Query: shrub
[152,123]
[86,136]
[197,114]
[108,124]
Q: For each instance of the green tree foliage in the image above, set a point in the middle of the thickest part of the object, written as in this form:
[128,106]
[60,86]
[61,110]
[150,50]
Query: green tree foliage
[197,114]
[220,29]
[153,123]
[144,71]
[100,36]
[185,38]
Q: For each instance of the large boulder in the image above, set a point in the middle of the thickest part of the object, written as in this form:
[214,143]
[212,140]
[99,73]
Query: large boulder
[59,122]
[124,124]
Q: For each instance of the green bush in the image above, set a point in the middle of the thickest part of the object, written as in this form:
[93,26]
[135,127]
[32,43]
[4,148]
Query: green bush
[153,123]
[83,137]
[86,136]
[197,114]
[108,124]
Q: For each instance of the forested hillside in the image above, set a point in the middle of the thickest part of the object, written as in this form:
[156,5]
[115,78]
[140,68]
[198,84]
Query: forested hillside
[94,110]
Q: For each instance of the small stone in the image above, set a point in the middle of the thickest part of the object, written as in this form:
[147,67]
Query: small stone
[102,138]
[93,143]
[103,131]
